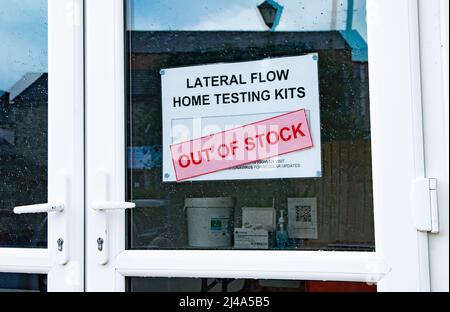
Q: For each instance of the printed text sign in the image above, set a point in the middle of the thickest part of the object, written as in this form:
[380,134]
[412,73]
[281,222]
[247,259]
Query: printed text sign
[260,140]
[202,100]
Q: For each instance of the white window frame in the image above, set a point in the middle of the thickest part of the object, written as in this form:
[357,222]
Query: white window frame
[65,154]
[400,262]
[434,53]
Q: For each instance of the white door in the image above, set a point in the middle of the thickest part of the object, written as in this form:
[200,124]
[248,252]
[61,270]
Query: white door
[138,233]
[42,146]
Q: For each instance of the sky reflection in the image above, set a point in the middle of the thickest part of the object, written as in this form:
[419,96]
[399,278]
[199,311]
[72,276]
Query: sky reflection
[23,24]
[23,33]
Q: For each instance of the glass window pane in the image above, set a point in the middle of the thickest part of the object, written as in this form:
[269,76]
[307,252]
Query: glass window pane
[162,284]
[23,121]
[331,211]
[15,282]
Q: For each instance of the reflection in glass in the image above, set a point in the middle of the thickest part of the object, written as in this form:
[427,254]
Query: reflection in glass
[164,34]
[162,284]
[14,282]
[239,15]
[23,121]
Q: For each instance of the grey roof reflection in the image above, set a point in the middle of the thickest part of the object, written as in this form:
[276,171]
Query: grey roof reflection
[23,83]
[189,41]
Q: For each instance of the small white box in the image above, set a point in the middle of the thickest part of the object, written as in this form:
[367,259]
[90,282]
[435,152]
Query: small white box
[259,216]
[248,238]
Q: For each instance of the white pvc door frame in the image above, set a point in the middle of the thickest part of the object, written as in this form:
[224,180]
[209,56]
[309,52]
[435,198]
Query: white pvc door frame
[401,260]
[65,154]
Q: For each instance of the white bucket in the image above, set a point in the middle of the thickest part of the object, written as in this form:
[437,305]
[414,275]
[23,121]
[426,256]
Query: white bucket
[209,221]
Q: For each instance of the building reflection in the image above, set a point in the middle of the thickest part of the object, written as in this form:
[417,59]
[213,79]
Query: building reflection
[23,160]
[344,193]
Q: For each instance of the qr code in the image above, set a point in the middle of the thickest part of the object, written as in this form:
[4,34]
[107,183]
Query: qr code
[303,214]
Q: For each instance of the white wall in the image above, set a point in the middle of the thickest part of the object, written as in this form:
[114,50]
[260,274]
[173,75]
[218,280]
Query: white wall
[434,21]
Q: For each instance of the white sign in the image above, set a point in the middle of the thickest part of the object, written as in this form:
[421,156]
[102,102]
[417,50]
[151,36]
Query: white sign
[199,101]
[302,217]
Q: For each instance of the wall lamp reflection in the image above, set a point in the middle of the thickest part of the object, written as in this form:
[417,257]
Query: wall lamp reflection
[271,13]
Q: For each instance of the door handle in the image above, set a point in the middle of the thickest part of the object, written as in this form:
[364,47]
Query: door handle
[39,208]
[102,237]
[106,205]
[102,207]
[59,248]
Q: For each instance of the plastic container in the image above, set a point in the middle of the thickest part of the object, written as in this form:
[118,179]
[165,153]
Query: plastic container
[209,221]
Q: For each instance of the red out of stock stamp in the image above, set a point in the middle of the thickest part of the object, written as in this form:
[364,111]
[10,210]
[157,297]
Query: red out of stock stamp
[256,141]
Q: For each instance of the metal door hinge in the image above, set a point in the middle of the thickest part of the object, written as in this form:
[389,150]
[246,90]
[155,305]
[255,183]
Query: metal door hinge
[425,205]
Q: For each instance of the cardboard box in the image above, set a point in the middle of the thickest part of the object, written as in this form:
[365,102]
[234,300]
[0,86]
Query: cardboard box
[259,216]
[248,238]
